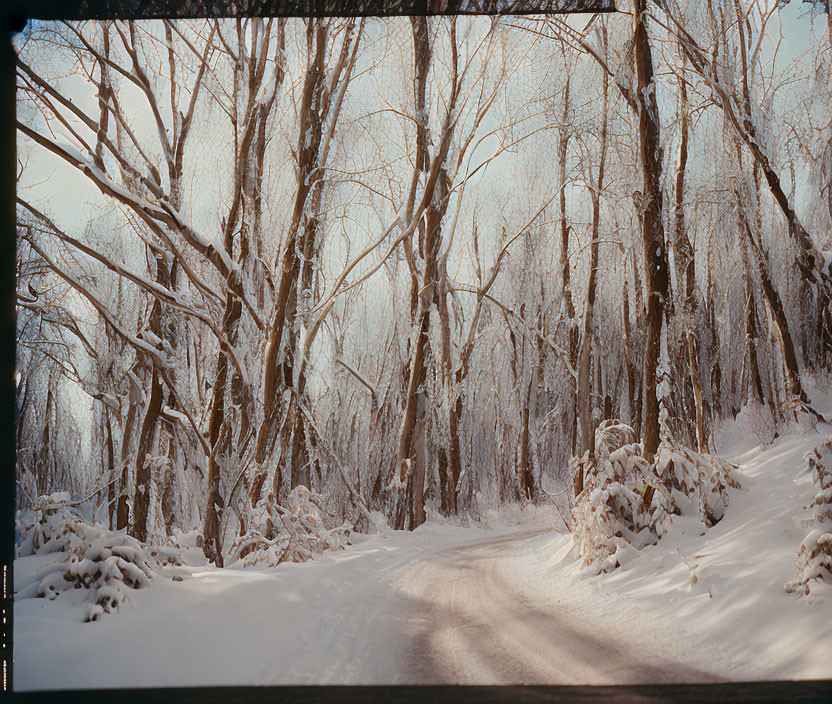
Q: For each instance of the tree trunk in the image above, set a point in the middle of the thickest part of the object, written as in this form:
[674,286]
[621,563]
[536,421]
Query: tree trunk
[436,193]
[655,254]
[218,442]
[526,477]
[453,398]
[309,174]
[111,472]
[716,365]
[686,272]
[141,499]
[123,509]
[567,306]
[416,394]
[794,388]
[587,431]
[633,405]
[751,330]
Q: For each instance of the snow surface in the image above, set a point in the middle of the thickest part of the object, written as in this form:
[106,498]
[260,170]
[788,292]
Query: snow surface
[501,601]
[741,565]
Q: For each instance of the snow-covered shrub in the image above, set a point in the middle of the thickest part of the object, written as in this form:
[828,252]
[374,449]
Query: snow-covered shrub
[814,556]
[295,532]
[47,526]
[628,501]
[805,417]
[622,503]
[106,563]
[697,483]
[186,546]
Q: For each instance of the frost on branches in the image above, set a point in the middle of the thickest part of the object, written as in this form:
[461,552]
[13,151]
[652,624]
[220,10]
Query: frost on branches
[628,501]
[814,556]
[106,563]
[295,532]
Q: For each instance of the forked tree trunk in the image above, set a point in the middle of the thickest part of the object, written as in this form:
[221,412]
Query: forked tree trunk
[309,174]
[410,466]
[320,107]
[794,387]
[415,403]
[243,217]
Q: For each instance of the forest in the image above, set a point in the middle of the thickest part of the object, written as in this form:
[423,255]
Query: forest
[283,282]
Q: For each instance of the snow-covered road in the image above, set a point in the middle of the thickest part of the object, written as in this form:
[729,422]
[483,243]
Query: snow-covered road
[481,614]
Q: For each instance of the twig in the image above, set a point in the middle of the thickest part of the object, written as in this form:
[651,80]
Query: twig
[549,496]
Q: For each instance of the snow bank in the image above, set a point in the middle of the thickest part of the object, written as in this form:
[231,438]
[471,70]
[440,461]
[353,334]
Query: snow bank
[725,584]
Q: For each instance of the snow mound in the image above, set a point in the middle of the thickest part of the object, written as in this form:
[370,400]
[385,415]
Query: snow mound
[814,556]
[628,501]
[295,532]
[106,563]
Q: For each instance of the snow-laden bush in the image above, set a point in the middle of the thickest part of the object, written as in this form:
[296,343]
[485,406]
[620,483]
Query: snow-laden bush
[47,526]
[697,483]
[622,502]
[295,532]
[814,556]
[106,563]
[628,501]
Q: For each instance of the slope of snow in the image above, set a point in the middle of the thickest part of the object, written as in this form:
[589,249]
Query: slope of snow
[727,583]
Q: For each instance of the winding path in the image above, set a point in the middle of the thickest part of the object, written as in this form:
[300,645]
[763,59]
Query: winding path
[475,617]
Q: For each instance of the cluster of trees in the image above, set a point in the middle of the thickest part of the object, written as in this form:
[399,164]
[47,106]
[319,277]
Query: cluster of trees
[408,261]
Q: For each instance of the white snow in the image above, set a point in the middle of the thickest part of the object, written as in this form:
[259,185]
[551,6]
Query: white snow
[175,415]
[503,602]
[315,622]
[741,565]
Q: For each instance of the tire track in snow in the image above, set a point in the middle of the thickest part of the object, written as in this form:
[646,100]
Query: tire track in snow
[475,615]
